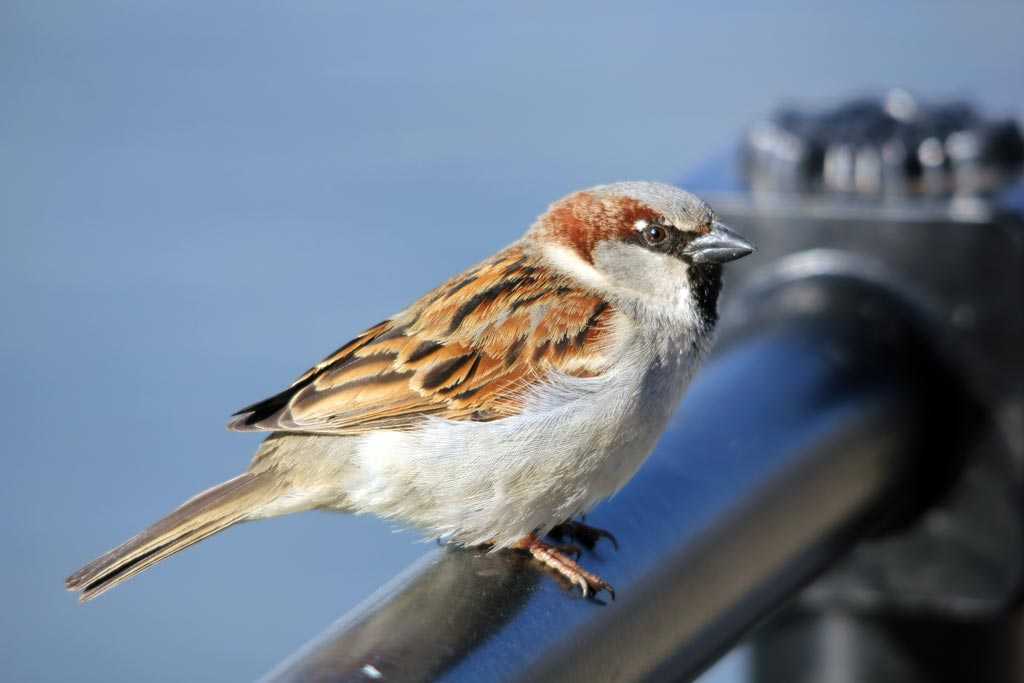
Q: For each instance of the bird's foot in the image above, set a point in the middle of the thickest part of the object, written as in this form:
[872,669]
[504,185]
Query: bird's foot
[555,557]
[586,535]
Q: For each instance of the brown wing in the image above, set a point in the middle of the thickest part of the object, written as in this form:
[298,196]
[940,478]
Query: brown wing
[466,351]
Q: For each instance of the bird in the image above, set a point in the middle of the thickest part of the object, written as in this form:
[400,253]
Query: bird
[498,407]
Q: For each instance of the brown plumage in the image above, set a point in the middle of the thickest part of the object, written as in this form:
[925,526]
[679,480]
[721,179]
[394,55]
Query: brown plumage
[554,366]
[466,351]
[211,511]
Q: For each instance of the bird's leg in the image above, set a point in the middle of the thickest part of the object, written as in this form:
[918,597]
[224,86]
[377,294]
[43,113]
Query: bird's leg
[555,557]
[585,534]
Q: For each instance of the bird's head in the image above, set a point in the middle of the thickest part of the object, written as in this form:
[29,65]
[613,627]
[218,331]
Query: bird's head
[643,243]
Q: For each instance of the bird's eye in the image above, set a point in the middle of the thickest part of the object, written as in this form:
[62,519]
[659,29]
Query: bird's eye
[655,234]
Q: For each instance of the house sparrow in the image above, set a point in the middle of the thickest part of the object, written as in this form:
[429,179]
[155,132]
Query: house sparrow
[510,399]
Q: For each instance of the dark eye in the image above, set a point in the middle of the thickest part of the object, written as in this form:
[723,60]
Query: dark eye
[655,234]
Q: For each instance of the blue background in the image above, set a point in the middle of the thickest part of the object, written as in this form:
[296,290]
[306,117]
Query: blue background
[199,200]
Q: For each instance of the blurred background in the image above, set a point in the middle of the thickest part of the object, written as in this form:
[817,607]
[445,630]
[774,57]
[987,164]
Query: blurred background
[200,200]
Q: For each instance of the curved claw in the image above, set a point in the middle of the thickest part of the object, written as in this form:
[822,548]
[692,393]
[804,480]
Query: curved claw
[554,557]
[587,535]
[604,533]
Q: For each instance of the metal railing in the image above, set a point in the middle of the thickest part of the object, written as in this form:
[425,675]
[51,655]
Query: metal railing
[792,443]
[862,413]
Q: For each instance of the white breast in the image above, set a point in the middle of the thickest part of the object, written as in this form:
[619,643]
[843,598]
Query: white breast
[577,442]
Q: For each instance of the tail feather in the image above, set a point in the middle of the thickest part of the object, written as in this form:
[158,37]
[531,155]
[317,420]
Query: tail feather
[202,516]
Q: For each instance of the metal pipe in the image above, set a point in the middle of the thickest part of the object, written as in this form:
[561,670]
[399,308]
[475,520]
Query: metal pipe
[797,439]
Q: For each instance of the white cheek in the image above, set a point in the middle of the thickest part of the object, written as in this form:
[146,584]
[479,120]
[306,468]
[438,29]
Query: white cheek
[657,280]
[570,263]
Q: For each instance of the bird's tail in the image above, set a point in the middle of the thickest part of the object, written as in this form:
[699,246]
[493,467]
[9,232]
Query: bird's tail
[211,511]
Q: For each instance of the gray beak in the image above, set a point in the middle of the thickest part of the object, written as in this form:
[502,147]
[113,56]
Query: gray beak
[721,245]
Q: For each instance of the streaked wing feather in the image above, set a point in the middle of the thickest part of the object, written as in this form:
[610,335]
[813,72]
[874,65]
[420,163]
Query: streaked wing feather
[468,350]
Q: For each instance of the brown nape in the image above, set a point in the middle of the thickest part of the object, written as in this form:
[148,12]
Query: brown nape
[583,219]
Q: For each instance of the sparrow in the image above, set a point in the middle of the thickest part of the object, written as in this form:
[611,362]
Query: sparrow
[501,405]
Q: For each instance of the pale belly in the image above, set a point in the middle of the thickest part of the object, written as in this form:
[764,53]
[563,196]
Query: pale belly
[495,482]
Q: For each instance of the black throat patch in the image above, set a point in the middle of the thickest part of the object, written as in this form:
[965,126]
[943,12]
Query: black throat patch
[706,283]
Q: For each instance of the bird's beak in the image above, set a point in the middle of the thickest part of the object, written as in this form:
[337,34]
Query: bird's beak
[721,245]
